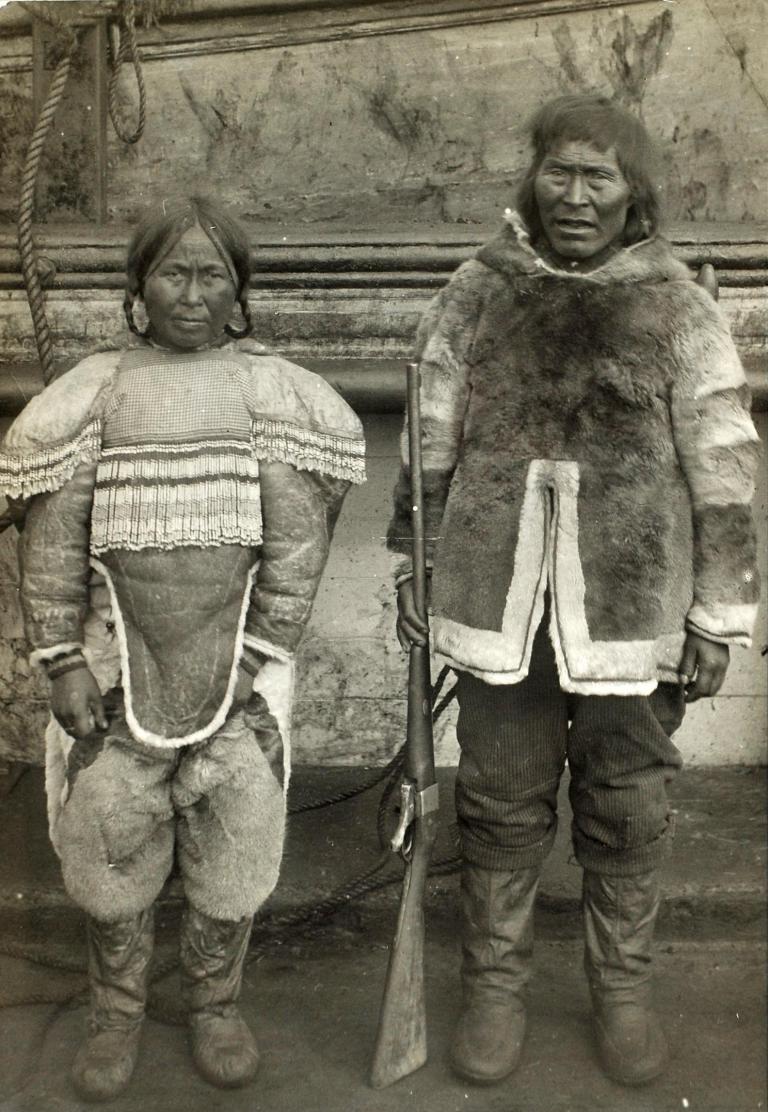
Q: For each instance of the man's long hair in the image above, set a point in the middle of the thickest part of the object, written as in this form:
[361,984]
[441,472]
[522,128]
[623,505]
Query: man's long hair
[594,119]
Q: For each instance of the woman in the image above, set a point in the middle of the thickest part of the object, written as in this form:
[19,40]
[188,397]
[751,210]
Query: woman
[589,462]
[183,492]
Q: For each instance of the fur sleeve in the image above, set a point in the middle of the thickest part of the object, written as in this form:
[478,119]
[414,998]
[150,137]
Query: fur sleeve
[719,452]
[443,345]
[54,557]
[298,521]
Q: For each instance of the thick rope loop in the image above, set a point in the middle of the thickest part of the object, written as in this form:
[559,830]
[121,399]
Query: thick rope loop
[69,35]
[29,268]
[128,50]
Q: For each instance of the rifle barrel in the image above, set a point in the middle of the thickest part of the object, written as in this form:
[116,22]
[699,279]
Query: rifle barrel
[417,491]
[401,1042]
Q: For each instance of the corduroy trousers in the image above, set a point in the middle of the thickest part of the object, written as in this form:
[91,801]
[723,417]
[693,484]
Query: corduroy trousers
[515,740]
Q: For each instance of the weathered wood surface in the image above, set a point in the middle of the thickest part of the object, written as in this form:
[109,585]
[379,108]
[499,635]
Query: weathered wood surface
[414,112]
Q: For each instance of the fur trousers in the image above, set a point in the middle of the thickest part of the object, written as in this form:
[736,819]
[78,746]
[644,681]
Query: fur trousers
[121,812]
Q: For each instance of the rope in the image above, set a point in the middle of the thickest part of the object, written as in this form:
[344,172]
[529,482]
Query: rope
[28,185]
[127,51]
[302,806]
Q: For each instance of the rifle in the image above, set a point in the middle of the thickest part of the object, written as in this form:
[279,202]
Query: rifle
[401,1042]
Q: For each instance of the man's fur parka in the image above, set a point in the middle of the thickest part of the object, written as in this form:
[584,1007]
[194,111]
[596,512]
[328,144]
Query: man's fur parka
[589,434]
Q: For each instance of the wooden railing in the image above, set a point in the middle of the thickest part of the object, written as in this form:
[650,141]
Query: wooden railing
[345,304]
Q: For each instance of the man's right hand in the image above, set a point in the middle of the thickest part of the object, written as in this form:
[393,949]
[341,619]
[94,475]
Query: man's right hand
[411,629]
[76,703]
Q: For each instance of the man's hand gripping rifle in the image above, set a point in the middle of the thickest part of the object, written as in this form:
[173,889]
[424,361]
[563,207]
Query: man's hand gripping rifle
[401,1044]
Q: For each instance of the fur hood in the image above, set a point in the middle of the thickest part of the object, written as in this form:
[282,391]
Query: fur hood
[512,254]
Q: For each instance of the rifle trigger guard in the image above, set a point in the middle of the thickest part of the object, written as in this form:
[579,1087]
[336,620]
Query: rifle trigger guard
[407,815]
[427,801]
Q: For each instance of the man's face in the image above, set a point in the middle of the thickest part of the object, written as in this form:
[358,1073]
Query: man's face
[190,296]
[583,199]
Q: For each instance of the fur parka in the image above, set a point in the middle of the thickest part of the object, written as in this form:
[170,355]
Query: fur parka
[587,434]
[180,515]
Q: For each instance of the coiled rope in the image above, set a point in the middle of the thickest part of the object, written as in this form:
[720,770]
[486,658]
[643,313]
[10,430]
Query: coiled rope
[27,250]
[127,51]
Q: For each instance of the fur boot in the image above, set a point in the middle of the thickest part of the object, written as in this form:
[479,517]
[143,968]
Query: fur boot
[118,957]
[497,948]
[212,957]
[619,917]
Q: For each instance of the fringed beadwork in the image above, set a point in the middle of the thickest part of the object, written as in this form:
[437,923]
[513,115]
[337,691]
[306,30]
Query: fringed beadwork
[178,449]
[310,450]
[48,467]
[173,495]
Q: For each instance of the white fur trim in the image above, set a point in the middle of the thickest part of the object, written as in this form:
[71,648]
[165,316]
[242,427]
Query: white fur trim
[267,648]
[102,648]
[596,667]
[725,624]
[547,551]
[148,736]
[506,655]
[58,745]
[523,237]
[39,657]
[275,683]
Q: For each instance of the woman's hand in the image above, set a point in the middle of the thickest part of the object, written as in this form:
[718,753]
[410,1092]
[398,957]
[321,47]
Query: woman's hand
[411,630]
[76,703]
[703,667]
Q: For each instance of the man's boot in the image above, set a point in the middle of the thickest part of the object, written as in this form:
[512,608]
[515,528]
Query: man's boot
[212,956]
[118,956]
[619,917]
[497,949]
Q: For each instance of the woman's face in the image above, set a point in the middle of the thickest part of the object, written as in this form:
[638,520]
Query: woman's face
[583,199]
[190,296]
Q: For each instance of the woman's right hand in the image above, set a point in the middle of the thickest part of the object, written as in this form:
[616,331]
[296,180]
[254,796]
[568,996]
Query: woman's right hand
[76,703]
[411,629]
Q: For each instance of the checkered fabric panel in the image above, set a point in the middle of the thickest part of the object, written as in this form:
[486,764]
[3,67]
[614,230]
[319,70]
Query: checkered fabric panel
[175,402]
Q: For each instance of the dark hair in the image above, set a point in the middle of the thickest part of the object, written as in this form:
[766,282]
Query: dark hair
[160,228]
[595,119]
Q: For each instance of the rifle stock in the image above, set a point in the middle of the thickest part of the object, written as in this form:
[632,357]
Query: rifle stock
[401,1043]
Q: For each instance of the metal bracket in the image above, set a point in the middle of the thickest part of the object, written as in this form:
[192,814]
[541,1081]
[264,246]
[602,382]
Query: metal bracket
[428,800]
[413,805]
[407,815]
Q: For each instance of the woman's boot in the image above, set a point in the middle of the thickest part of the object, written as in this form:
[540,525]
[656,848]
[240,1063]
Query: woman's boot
[619,917]
[497,949]
[118,956]
[212,956]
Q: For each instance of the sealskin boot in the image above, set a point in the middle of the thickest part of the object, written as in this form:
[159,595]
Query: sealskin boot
[212,956]
[118,956]
[619,917]
[497,952]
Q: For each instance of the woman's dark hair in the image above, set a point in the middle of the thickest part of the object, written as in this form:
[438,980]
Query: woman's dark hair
[161,228]
[595,119]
